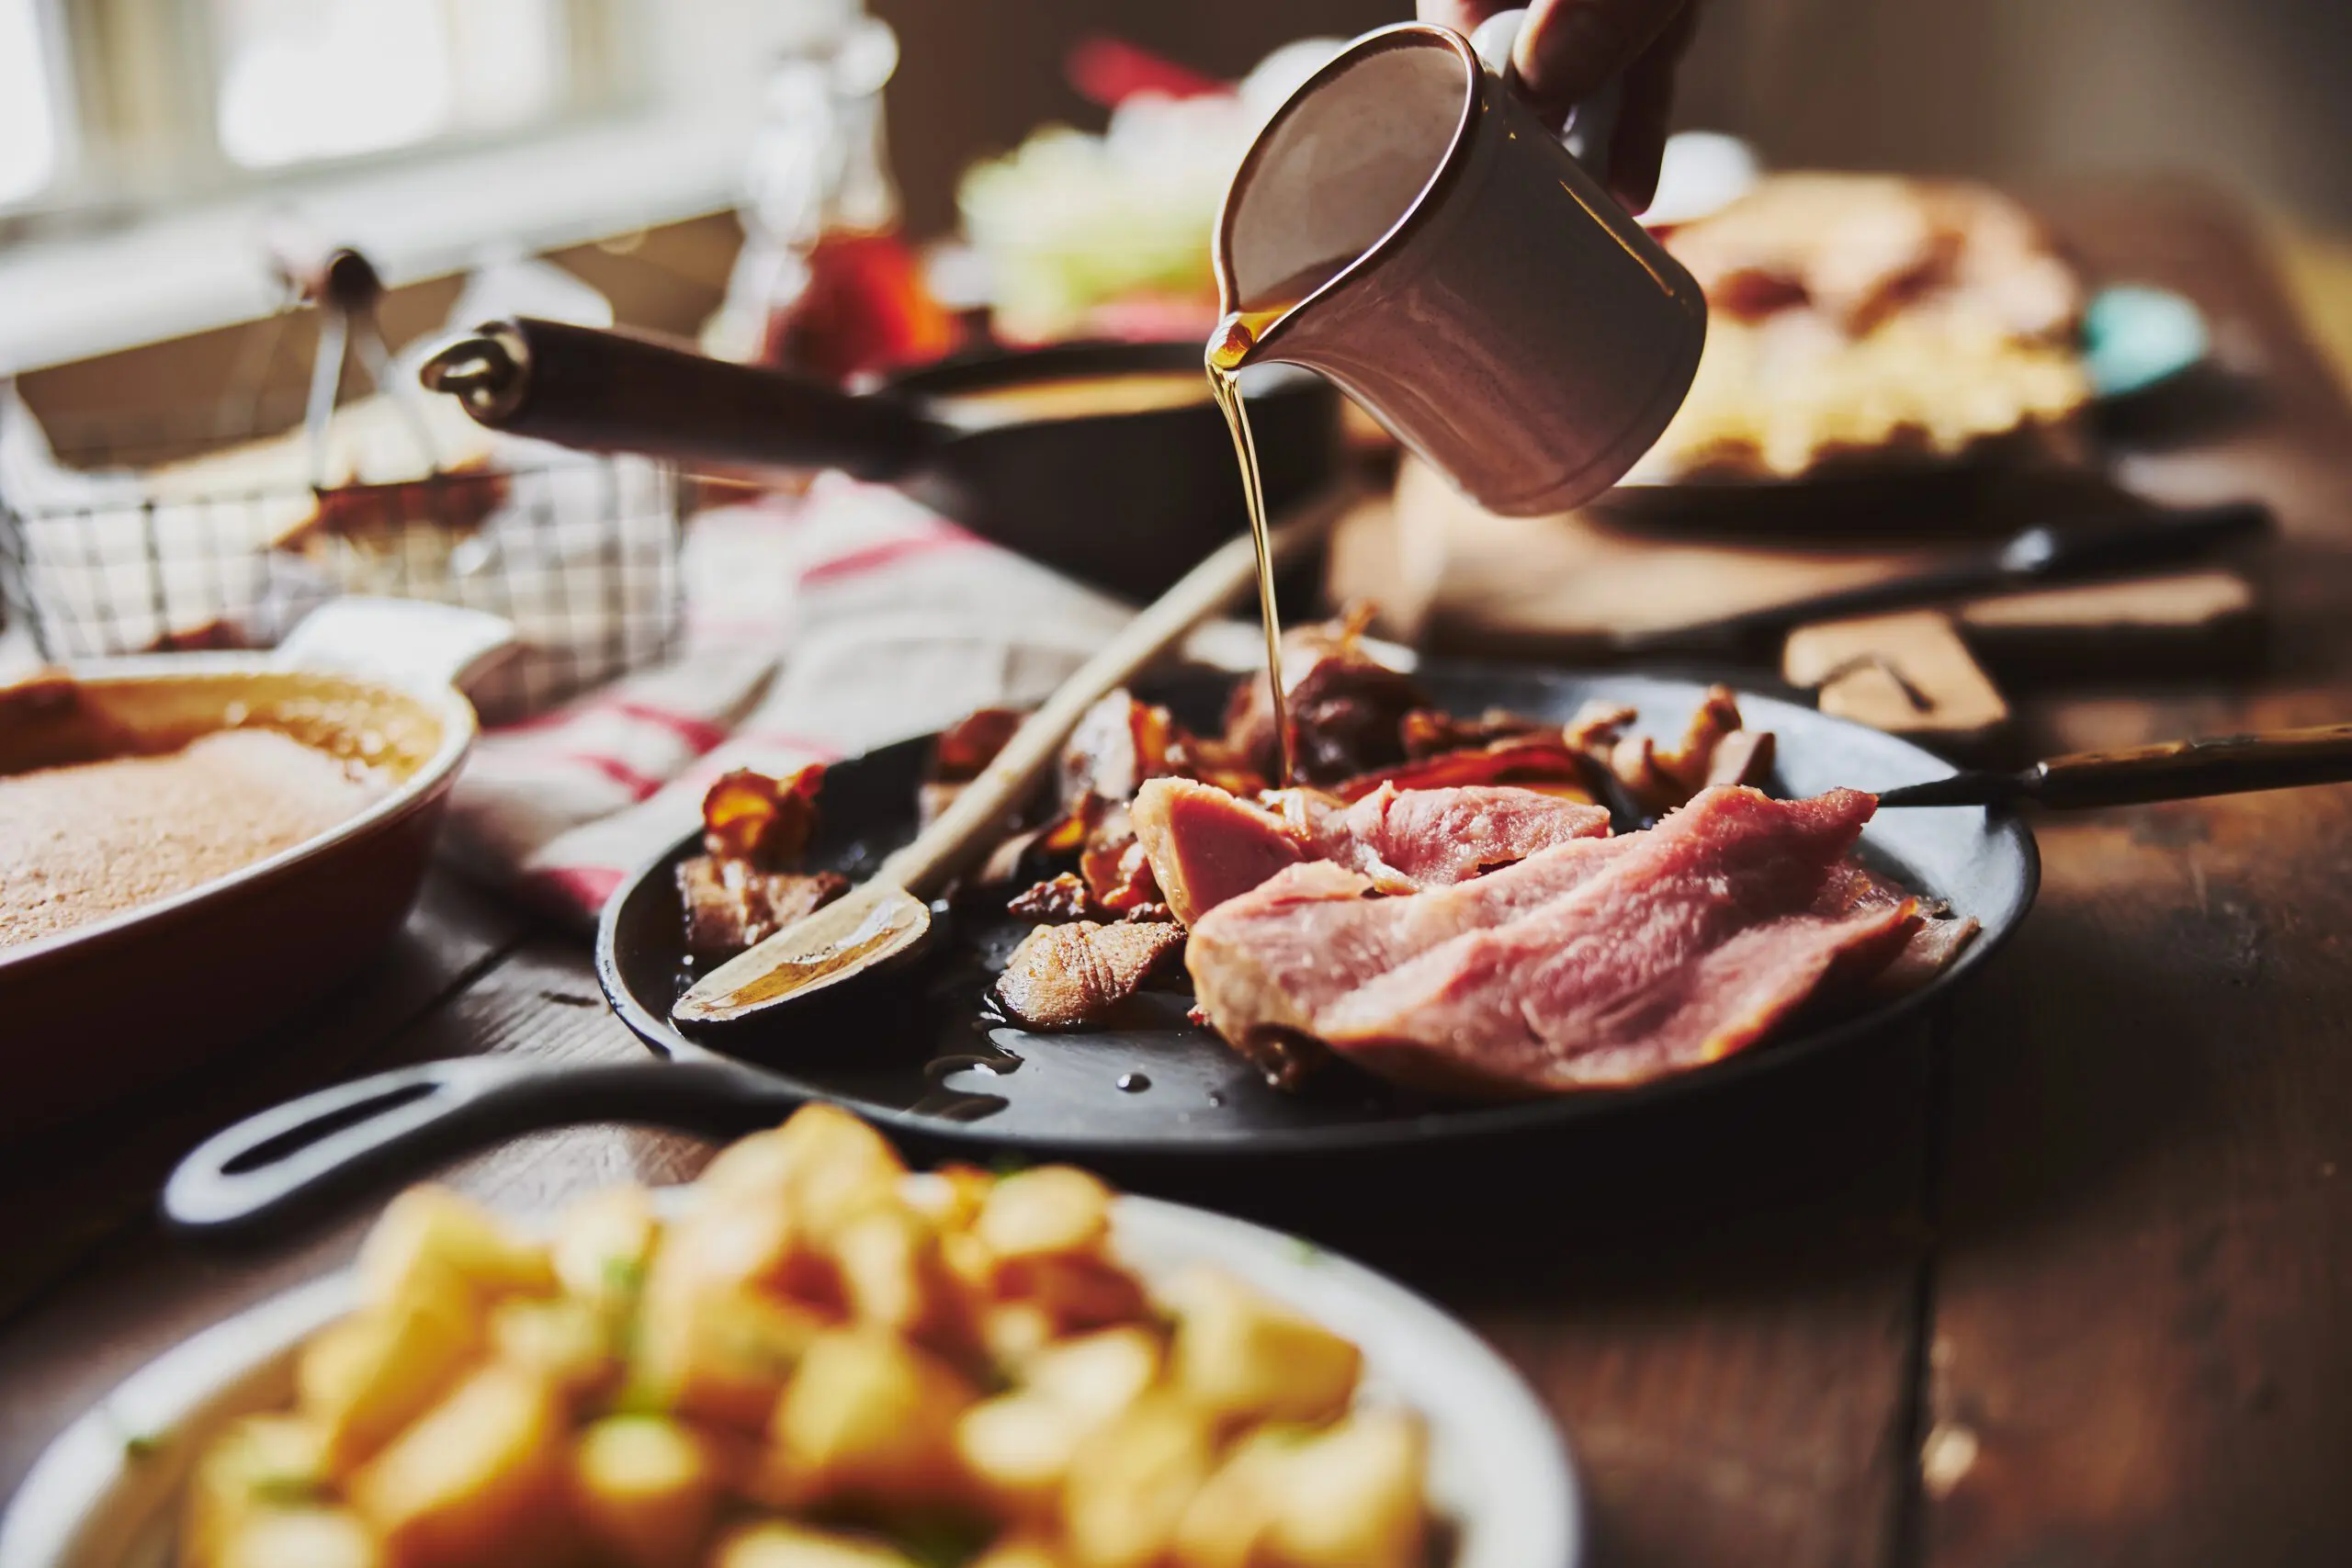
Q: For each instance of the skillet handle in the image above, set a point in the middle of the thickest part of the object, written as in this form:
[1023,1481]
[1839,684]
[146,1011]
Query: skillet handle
[283,1164]
[615,391]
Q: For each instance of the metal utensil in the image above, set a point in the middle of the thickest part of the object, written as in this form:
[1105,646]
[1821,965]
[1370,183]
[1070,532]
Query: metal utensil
[887,917]
[2034,558]
[2172,770]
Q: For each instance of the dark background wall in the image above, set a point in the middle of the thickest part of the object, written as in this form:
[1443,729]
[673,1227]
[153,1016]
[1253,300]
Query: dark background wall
[2255,94]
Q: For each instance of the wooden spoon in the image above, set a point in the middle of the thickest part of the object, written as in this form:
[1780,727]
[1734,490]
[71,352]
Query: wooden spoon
[2174,770]
[888,916]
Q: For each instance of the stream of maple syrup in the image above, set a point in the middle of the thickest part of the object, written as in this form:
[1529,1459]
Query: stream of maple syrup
[1228,346]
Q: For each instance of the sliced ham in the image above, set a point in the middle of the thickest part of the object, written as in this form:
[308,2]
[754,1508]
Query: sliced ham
[1598,962]
[1408,840]
[1206,847]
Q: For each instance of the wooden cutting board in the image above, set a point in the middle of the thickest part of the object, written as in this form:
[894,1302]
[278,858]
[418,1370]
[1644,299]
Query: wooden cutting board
[1454,578]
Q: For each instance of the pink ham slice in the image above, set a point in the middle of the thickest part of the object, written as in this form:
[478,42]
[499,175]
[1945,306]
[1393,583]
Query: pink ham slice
[1408,840]
[1207,846]
[1603,963]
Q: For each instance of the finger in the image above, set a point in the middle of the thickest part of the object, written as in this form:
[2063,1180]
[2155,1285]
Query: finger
[1571,47]
[1646,114]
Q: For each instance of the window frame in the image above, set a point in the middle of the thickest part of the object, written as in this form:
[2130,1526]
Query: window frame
[134,106]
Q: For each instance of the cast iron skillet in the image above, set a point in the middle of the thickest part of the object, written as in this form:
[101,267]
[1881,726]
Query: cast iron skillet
[1128,502]
[1145,1098]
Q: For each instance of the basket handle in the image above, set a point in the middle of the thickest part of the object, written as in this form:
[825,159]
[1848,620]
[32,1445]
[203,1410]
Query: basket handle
[617,392]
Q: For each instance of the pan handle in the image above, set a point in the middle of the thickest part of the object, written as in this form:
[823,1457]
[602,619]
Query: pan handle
[615,391]
[285,1164]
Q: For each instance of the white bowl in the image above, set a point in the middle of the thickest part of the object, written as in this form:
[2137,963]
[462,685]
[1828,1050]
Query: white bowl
[105,1493]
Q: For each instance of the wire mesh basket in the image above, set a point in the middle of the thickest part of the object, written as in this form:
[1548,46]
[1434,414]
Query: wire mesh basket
[145,548]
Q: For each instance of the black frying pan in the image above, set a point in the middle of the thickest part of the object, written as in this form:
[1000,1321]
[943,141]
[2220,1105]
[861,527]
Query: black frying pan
[1128,502]
[1154,1100]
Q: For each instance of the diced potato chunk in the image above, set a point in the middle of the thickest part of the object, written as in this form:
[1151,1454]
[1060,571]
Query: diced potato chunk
[869,1415]
[1022,1551]
[255,1464]
[472,1481]
[428,1228]
[1097,1375]
[1018,1447]
[775,1544]
[603,1244]
[721,1355]
[1351,1498]
[1076,1293]
[1051,1211]
[647,1489]
[1232,1514]
[1250,1359]
[894,1277]
[562,1339]
[1131,1484]
[301,1537]
[364,1378]
[823,1162]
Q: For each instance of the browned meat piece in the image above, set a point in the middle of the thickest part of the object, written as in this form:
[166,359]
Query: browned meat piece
[1598,962]
[961,754]
[1431,732]
[1535,762]
[1062,898]
[1119,743]
[967,747]
[766,822]
[730,905]
[1346,709]
[1714,750]
[1063,977]
[1119,873]
[1205,846]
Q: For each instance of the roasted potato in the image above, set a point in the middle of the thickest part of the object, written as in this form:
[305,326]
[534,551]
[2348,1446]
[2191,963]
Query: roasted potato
[301,1537]
[256,1464]
[1250,1359]
[363,1378]
[775,1544]
[475,1481]
[1350,1496]
[1023,1551]
[868,1415]
[602,1246]
[1052,1211]
[427,1230]
[813,1339]
[562,1339]
[1130,1484]
[721,1355]
[1018,1447]
[646,1489]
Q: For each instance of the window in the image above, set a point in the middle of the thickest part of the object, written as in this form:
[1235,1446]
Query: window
[27,112]
[302,80]
[108,106]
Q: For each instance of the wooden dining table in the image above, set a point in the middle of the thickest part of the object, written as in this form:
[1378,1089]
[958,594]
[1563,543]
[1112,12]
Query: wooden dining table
[2062,1277]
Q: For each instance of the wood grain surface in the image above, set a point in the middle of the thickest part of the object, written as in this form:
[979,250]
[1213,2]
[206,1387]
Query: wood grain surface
[2065,1279]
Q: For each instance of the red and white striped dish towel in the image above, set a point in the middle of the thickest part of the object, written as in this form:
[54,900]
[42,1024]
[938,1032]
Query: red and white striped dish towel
[816,626]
